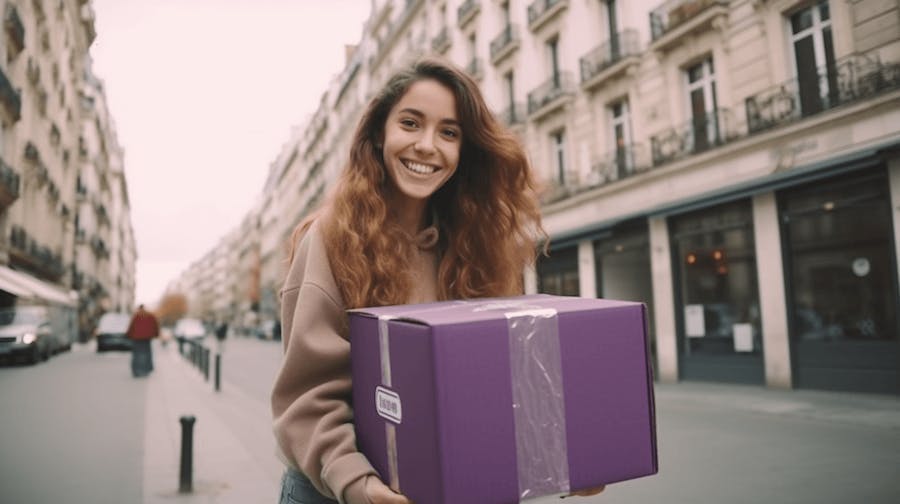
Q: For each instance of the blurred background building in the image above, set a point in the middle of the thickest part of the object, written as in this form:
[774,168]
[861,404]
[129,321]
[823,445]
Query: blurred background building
[65,223]
[732,163]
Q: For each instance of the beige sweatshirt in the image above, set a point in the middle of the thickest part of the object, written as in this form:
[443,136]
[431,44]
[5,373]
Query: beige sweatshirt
[313,418]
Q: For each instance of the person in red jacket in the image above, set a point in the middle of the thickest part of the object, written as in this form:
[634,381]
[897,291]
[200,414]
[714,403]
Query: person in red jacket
[141,330]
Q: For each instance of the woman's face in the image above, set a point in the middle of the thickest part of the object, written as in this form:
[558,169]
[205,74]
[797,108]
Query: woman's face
[422,140]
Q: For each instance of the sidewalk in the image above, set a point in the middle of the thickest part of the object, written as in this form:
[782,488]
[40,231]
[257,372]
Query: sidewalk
[233,449]
[717,443]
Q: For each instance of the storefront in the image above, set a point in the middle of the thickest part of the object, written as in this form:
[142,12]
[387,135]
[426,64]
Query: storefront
[841,283]
[716,295]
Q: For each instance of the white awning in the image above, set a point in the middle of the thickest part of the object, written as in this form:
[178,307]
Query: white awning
[23,285]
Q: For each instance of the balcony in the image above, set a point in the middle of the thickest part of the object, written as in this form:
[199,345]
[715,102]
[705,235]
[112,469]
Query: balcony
[551,95]
[542,11]
[697,135]
[441,42]
[504,44]
[673,20]
[475,69]
[24,251]
[9,185]
[15,31]
[10,101]
[851,79]
[621,163]
[467,12]
[559,189]
[98,246]
[610,59]
[80,235]
[514,115]
[394,29]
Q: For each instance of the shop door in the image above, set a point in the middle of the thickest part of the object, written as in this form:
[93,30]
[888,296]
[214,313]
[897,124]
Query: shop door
[841,278]
[717,300]
[623,270]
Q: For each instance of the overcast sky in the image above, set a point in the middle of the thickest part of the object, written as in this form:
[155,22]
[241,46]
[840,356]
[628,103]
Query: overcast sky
[204,93]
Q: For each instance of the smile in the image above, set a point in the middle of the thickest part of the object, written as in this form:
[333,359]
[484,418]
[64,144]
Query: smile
[421,169]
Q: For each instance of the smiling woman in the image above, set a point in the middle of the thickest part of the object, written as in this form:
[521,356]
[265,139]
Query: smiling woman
[436,202]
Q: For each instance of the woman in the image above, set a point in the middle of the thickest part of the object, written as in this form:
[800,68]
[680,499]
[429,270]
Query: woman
[437,202]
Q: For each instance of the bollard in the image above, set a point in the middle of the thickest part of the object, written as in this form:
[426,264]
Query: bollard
[206,363]
[218,371]
[185,483]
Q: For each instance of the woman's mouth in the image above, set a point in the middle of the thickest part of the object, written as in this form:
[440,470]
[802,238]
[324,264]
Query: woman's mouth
[421,169]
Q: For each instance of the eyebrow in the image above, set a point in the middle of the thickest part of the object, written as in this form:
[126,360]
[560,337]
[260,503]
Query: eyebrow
[419,113]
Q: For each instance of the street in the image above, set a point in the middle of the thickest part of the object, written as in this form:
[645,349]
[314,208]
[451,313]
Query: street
[79,429]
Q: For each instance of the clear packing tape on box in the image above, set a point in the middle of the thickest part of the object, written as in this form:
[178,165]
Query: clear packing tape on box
[537,391]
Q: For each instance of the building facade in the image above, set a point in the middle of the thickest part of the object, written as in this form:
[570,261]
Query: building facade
[732,163]
[65,216]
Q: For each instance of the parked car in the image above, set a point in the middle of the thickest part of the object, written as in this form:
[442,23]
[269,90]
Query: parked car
[110,332]
[189,328]
[35,332]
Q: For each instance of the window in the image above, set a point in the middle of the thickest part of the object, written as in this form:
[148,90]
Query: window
[559,156]
[716,267]
[814,58]
[621,137]
[838,237]
[612,24]
[558,273]
[553,54]
[511,96]
[702,98]
[504,12]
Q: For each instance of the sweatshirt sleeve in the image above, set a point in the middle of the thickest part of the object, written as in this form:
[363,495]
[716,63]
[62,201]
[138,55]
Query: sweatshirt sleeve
[313,419]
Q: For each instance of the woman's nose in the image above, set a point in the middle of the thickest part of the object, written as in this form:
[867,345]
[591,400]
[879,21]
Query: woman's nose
[425,144]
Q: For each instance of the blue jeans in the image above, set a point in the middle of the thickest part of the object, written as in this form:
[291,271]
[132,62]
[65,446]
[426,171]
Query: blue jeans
[297,489]
[141,358]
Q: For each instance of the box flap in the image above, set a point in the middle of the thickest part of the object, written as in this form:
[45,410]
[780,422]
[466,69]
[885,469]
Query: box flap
[475,310]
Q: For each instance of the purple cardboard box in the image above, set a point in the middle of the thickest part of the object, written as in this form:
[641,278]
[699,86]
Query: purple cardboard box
[496,401]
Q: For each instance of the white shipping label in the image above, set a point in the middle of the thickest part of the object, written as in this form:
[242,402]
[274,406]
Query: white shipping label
[743,337]
[387,403]
[694,324]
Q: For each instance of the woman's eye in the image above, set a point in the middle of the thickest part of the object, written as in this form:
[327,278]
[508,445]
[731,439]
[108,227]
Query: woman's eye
[409,123]
[451,133]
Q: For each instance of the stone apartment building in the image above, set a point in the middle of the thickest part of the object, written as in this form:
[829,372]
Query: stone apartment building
[64,218]
[732,163]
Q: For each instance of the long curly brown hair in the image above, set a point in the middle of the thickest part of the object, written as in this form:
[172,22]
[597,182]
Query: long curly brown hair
[488,215]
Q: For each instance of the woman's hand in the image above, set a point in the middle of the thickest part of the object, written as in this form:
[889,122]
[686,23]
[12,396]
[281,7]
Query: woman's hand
[379,493]
[587,492]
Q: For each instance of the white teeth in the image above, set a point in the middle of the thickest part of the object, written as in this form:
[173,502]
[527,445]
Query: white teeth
[420,168]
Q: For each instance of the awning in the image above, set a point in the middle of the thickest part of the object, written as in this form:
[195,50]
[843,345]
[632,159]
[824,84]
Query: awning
[25,286]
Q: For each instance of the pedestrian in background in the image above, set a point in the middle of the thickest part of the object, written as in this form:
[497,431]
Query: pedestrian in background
[141,331]
[437,202]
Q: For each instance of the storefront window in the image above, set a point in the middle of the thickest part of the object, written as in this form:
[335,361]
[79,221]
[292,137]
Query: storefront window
[558,274]
[716,263]
[841,277]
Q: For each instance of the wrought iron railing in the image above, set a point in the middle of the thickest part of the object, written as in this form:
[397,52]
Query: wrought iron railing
[465,11]
[848,80]
[674,13]
[11,99]
[695,136]
[539,7]
[441,41]
[10,180]
[561,84]
[623,44]
[514,114]
[12,25]
[623,162]
[509,35]
[37,257]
